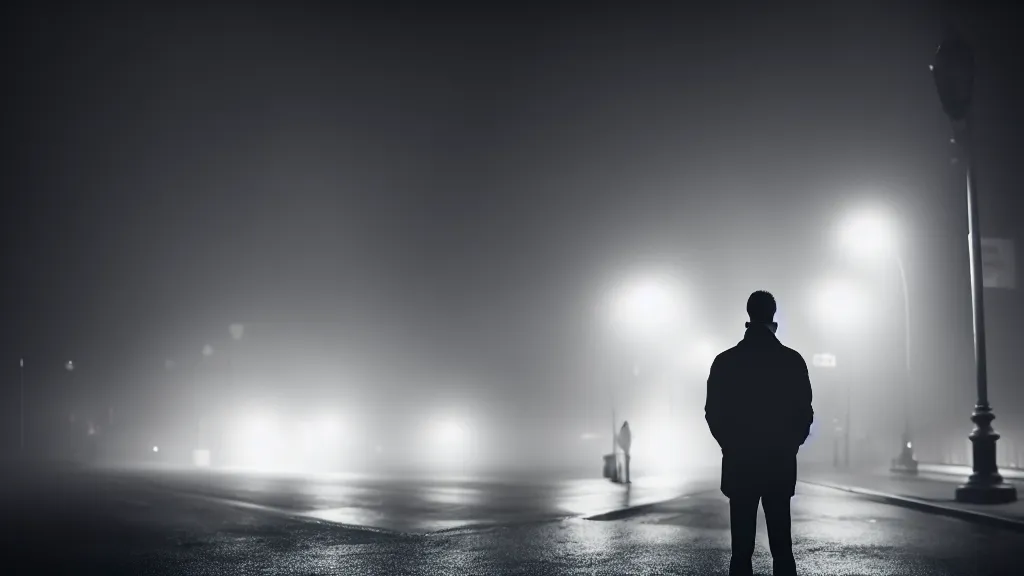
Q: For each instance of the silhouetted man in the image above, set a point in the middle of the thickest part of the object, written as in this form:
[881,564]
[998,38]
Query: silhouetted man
[759,410]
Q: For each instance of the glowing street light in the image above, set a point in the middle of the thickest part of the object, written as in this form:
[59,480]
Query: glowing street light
[452,436]
[871,234]
[646,307]
[450,433]
[868,234]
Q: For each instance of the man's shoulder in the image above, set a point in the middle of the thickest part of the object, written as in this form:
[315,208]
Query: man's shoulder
[793,355]
[727,355]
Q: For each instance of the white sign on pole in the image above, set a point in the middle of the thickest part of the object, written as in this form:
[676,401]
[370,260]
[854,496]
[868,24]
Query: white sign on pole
[824,360]
[998,263]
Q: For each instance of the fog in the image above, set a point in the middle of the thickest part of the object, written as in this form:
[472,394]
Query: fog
[422,230]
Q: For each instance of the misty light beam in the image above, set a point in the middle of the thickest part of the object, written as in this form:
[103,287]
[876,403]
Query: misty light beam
[646,307]
[872,234]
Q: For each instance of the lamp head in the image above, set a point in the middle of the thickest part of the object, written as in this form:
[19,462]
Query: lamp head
[953,72]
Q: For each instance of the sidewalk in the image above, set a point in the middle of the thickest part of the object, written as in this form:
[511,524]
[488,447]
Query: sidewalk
[929,491]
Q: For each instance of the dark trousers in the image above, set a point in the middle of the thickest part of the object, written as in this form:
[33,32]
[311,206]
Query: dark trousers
[743,523]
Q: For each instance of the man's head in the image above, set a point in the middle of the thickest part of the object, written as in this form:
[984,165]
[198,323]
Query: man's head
[761,310]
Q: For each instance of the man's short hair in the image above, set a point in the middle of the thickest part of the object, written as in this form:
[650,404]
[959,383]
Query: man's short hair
[761,307]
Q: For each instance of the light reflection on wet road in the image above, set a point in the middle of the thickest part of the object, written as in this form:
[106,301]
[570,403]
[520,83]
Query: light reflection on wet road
[428,504]
[96,524]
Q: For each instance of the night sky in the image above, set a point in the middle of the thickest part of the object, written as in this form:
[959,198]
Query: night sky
[459,185]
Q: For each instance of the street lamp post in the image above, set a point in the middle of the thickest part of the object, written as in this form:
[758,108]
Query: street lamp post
[870,233]
[21,404]
[953,72]
[905,462]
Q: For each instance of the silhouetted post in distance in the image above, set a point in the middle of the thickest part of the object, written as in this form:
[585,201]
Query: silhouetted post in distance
[846,427]
[953,72]
[21,404]
[625,442]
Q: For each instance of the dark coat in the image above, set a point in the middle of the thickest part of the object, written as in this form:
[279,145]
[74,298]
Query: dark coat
[759,410]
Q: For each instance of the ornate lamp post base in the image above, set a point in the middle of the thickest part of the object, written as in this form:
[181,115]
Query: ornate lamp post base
[985,485]
[998,493]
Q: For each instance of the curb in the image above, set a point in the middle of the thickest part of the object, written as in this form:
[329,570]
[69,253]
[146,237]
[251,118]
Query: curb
[929,507]
[1010,475]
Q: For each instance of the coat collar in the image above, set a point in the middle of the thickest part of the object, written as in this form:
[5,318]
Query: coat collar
[759,335]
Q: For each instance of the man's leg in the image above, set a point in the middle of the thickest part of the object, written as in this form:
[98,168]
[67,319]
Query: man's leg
[780,534]
[743,525]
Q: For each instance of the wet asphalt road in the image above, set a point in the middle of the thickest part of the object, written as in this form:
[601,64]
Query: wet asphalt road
[424,504]
[88,524]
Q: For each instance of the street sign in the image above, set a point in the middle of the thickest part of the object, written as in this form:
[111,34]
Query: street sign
[998,263]
[824,360]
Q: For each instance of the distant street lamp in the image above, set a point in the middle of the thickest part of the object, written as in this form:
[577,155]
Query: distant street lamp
[69,367]
[21,404]
[872,235]
[237,332]
[453,435]
[953,72]
[839,303]
[645,309]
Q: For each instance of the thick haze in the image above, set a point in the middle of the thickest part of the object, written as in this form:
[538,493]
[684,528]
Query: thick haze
[448,195]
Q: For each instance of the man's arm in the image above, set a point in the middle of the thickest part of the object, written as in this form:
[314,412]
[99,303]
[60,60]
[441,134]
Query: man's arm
[804,401]
[714,407]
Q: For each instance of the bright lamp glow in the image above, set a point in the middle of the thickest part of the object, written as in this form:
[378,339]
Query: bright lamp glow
[257,442]
[156,448]
[449,433]
[447,446]
[319,436]
[839,302]
[328,428]
[646,306]
[868,234]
